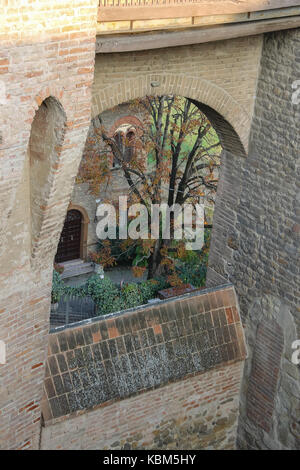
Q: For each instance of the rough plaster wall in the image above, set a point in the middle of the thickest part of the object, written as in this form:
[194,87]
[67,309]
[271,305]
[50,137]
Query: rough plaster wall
[196,413]
[256,232]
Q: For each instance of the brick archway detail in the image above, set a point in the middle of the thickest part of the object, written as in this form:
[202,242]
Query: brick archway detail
[202,91]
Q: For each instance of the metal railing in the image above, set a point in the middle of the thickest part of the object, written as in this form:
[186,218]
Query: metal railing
[72,309]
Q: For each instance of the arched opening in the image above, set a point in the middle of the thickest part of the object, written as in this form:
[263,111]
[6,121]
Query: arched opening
[44,149]
[122,140]
[209,159]
[73,239]
[124,137]
[224,240]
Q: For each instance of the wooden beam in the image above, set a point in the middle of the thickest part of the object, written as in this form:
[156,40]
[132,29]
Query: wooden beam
[192,22]
[201,8]
[146,41]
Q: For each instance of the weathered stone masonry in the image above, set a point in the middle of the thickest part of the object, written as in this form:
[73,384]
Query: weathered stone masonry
[259,251]
[268,228]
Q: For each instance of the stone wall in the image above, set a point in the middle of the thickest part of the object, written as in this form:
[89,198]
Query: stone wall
[255,241]
[185,355]
[269,226]
[118,186]
[256,246]
[46,72]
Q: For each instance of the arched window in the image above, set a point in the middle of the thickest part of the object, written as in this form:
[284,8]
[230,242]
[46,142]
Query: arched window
[124,138]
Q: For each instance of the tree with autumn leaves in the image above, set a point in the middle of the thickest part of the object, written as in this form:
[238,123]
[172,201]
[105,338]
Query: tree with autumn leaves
[173,158]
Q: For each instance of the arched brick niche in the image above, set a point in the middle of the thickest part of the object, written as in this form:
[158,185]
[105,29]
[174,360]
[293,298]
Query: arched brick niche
[269,398]
[44,149]
[264,374]
[226,108]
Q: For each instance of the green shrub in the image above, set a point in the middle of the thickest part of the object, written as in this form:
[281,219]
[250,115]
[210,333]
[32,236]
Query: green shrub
[194,274]
[131,295]
[79,292]
[121,256]
[57,288]
[148,290]
[193,270]
[162,283]
[190,257]
[104,293]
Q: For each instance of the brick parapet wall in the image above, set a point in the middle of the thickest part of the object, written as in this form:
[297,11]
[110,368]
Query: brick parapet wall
[129,353]
[160,377]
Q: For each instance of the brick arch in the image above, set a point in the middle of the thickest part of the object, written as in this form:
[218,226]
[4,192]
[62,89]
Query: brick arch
[10,191]
[44,149]
[224,111]
[65,160]
[54,201]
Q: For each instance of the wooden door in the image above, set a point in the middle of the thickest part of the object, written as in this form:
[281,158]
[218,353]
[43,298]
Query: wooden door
[70,239]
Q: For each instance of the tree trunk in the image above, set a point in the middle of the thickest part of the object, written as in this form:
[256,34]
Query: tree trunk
[155,268]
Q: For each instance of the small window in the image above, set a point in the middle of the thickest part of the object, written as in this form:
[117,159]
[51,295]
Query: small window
[125,141]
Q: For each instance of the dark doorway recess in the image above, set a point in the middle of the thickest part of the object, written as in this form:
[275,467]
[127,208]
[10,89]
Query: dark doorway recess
[70,239]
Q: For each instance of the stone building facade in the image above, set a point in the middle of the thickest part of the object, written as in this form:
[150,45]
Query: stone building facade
[121,117]
[244,86]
